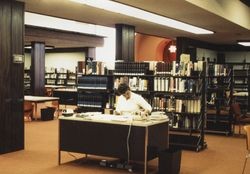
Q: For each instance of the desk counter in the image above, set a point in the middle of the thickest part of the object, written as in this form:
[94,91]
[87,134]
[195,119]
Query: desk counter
[115,119]
[105,135]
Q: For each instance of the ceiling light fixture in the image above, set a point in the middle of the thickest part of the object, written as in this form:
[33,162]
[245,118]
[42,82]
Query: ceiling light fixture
[244,43]
[47,47]
[172,48]
[144,15]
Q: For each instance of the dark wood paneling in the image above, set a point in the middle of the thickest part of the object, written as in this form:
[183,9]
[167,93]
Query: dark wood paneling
[61,39]
[5,97]
[11,77]
[185,45]
[125,38]
[106,139]
[38,69]
[17,81]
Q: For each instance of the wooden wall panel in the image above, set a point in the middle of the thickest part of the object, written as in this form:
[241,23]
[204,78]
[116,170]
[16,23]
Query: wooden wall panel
[125,39]
[17,81]
[38,69]
[4,74]
[11,77]
[61,39]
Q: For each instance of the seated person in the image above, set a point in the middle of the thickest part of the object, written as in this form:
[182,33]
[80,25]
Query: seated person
[130,102]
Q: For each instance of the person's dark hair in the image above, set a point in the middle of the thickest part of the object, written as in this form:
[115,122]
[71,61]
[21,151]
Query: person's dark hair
[122,88]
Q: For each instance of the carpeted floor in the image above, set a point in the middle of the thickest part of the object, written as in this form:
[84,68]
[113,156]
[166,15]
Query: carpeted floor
[224,155]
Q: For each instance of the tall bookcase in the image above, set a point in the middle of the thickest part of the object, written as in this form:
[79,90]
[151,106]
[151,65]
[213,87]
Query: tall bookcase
[241,76]
[171,89]
[219,99]
[178,90]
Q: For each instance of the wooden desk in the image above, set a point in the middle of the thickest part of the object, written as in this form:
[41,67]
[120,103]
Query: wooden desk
[105,137]
[40,99]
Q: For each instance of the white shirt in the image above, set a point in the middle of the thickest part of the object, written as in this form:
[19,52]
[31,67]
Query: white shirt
[134,104]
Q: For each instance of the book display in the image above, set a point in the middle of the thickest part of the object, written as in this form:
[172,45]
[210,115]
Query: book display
[27,82]
[50,76]
[94,92]
[54,76]
[137,75]
[219,99]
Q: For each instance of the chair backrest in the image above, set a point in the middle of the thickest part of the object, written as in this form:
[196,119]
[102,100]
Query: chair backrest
[235,108]
[28,106]
[247,129]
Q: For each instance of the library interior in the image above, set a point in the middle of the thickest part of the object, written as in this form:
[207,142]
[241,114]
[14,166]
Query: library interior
[62,67]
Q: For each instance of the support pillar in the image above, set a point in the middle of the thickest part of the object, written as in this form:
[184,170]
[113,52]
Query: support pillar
[125,42]
[11,76]
[38,68]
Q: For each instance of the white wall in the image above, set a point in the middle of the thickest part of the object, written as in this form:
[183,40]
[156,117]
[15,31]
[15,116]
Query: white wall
[237,56]
[105,54]
[230,56]
[201,52]
[59,60]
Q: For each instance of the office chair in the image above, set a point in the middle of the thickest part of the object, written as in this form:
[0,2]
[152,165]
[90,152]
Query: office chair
[238,117]
[247,129]
[28,111]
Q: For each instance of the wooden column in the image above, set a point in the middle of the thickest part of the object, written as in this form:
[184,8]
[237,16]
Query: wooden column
[125,42]
[38,68]
[11,76]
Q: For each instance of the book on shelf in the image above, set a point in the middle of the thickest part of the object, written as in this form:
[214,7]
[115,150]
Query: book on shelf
[93,82]
[131,68]
[135,83]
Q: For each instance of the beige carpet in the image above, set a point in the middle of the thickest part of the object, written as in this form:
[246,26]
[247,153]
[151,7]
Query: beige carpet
[224,155]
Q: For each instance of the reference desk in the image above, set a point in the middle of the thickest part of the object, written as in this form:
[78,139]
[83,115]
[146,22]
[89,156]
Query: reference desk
[106,135]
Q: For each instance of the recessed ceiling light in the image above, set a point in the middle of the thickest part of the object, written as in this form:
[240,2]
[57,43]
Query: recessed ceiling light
[144,15]
[47,47]
[244,43]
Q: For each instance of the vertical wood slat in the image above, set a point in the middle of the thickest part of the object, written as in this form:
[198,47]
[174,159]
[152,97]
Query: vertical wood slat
[17,81]
[4,74]
[38,69]
[11,77]
[125,38]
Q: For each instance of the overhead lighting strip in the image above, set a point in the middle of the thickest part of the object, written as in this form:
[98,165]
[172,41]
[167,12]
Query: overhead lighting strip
[144,15]
[244,43]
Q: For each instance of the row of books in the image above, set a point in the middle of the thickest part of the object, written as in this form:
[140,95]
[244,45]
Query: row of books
[187,106]
[171,84]
[95,68]
[218,70]
[56,70]
[183,68]
[131,68]
[135,83]
[90,100]
[170,105]
[163,68]
[93,82]
[184,122]
[50,76]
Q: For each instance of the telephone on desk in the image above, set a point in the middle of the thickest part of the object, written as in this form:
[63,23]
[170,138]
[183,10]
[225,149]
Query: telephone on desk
[67,112]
